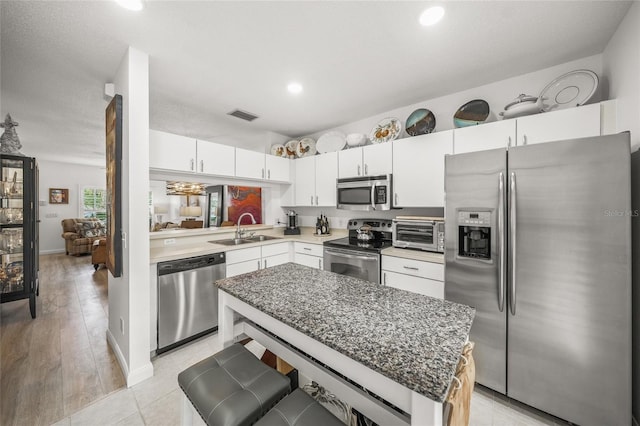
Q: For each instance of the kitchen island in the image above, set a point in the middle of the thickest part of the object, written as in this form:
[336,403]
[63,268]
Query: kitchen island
[346,333]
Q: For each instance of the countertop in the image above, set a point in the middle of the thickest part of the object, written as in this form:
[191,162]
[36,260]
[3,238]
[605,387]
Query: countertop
[412,339]
[181,251]
[425,256]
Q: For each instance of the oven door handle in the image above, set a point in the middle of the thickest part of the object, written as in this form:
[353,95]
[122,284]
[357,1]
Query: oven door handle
[351,256]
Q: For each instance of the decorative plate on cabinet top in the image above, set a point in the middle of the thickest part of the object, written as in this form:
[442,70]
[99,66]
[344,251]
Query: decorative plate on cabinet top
[331,141]
[420,122]
[278,150]
[290,148]
[386,130]
[306,147]
[569,90]
[472,113]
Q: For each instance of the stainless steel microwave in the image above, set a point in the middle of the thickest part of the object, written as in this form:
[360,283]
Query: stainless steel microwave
[419,233]
[368,193]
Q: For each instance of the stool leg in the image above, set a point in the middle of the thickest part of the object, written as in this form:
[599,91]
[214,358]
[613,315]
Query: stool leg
[187,411]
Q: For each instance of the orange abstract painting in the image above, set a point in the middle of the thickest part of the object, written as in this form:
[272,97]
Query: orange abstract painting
[244,199]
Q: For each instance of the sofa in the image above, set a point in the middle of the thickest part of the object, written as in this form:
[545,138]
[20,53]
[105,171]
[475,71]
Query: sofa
[79,234]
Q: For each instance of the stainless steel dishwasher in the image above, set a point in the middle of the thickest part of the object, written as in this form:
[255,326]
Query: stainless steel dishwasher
[188,299]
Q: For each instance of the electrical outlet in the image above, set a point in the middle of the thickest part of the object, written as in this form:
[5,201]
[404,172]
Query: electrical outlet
[51,215]
[121,326]
[169,241]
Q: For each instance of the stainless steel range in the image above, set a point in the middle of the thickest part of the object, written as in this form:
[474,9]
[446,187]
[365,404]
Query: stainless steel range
[358,255]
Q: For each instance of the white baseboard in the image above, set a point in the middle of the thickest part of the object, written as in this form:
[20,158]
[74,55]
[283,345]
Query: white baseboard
[54,251]
[133,377]
[119,356]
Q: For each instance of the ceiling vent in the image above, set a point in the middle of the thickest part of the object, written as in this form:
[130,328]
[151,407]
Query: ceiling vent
[244,115]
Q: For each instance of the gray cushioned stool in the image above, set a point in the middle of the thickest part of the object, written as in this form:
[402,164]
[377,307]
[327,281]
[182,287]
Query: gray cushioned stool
[299,409]
[232,387]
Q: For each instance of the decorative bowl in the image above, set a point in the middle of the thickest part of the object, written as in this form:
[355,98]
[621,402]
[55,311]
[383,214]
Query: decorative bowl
[356,139]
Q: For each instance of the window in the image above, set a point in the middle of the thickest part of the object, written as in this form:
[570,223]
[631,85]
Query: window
[94,203]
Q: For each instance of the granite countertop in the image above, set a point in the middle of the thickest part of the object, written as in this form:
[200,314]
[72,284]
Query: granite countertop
[412,339]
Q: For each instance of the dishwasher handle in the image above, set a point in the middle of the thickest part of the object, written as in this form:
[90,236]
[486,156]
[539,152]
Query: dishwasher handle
[175,266]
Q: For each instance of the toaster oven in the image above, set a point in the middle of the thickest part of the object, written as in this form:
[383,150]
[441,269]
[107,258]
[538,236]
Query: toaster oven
[421,233]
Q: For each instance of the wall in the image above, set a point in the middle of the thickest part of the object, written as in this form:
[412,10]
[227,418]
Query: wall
[129,294]
[621,68]
[621,65]
[62,175]
[497,94]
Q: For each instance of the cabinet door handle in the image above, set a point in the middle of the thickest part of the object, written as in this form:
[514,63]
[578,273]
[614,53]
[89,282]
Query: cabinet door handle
[259,264]
[201,166]
[358,169]
[316,200]
[384,278]
[306,248]
[524,139]
[411,268]
[366,169]
[262,173]
[312,200]
[192,165]
[269,174]
[319,263]
[395,198]
[509,142]
[265,263]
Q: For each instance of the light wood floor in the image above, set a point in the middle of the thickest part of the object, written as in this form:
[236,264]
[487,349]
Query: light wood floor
[60,362]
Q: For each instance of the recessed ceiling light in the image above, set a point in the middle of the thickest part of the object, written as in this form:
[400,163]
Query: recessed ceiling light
[131,4]
[431,16]
[294,88]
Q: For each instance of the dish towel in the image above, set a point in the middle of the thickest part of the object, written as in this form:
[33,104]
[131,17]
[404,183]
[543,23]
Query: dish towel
[458,403]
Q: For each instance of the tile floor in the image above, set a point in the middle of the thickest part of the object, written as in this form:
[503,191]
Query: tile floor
[157,401]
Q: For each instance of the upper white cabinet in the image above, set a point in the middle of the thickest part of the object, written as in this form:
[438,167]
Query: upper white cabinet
[215,158]
[171,152]
[277,168]
[250,164]
[570,123]
[315,180]
[370,160]
[418,169]
[499,134]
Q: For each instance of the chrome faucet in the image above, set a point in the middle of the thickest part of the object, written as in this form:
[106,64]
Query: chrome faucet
[240,232]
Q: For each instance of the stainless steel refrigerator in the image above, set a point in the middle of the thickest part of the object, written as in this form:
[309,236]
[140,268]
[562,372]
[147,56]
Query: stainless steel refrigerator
[538,240]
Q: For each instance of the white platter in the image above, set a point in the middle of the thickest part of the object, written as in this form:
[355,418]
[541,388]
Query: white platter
[278,150]
[331,141]
[290,148]
[386,130]
[569,90]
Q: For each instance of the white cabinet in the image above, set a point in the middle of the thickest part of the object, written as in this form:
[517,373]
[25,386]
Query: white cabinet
[308,254]
[499,134]
[179,153]
[315,180]
[277,168]
[171,152]
[215,158]
[413,275]
[371,160]
[418,169]
[252,259]
[570,123]
[250,164]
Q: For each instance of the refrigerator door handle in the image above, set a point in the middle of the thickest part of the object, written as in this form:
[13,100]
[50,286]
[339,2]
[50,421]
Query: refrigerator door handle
[512,245]
[501,241]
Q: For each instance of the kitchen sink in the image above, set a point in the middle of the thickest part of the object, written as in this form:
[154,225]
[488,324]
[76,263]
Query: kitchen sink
[261,238]
[247,240]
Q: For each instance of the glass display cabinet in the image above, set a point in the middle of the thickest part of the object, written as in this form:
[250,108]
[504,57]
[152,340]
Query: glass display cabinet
[19,230]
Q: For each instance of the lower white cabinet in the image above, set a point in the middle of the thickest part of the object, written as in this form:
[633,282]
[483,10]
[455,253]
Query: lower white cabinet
[252,259]
[425,278]
[308,254]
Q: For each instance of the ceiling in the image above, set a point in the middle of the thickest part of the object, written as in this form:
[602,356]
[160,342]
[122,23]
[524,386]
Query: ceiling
[354,59]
